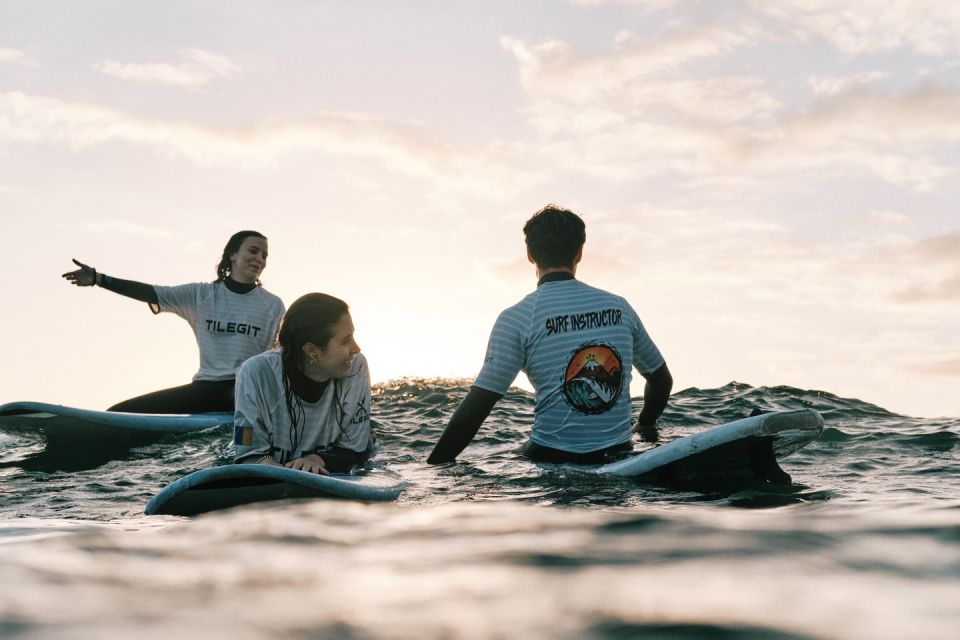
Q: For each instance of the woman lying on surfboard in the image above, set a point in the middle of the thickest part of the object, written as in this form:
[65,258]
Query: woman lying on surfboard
[306,403]
[233,318]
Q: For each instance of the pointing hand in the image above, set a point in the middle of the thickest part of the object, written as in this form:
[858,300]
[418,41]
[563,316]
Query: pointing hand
[85,276]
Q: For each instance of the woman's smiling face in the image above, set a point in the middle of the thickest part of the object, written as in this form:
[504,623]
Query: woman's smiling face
[249,261]
[333,360]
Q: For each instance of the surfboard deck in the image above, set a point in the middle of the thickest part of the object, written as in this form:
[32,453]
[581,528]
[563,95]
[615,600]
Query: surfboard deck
[754,444]
[69,423]
[238,484]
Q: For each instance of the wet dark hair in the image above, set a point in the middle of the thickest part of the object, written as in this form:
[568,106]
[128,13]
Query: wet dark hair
[233,246]
[309,319]
[554,236]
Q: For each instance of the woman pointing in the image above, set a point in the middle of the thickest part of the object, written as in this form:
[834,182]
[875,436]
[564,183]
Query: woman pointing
[233,318]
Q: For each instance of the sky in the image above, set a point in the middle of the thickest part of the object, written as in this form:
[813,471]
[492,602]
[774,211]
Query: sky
[773,186]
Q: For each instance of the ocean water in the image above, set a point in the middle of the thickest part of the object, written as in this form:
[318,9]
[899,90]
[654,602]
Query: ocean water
[865,544]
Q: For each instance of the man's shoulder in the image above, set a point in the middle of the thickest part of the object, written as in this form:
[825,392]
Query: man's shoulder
[520,309]
[597,290]
[582,291]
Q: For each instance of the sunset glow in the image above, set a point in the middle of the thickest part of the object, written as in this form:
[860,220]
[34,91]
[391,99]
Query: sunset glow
[772,186]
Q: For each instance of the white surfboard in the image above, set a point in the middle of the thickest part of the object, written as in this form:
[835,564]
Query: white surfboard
[238,484]
[69,423]
[751,442]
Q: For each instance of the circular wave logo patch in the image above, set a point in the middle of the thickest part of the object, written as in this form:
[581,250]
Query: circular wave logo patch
[593,379]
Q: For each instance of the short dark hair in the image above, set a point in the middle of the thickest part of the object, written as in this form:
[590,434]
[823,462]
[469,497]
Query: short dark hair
[554,236]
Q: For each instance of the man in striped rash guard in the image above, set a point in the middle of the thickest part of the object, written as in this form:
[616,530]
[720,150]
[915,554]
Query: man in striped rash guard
[577,345]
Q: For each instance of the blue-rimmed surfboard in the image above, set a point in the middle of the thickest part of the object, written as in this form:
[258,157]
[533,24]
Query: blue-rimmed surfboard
[67,424]
[238,484]
[753,444]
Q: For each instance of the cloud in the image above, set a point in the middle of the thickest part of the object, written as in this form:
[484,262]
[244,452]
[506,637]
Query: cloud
[15,57]
[127,228]
[946,290]
[858,27]
[899,137]
[195,69]
[926,114]
[854,27]
[556,70]
[647,6]
[636,111]
[505,273]
[947,367]
[833,85]
[650,107]
[888,217]
[935,263]
[943,247]
[494,171]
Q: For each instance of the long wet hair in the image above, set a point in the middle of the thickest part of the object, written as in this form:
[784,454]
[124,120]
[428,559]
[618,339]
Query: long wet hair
[233,246]
[309,319]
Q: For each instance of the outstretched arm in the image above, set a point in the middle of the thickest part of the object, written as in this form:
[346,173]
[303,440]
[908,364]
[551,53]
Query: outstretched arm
[464,424]
[656,393]
[87,276]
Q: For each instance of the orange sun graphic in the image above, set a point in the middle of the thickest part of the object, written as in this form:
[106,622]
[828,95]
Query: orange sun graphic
[602,355]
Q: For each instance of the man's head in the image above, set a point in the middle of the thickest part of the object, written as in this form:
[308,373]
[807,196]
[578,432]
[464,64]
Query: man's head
[554,237]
